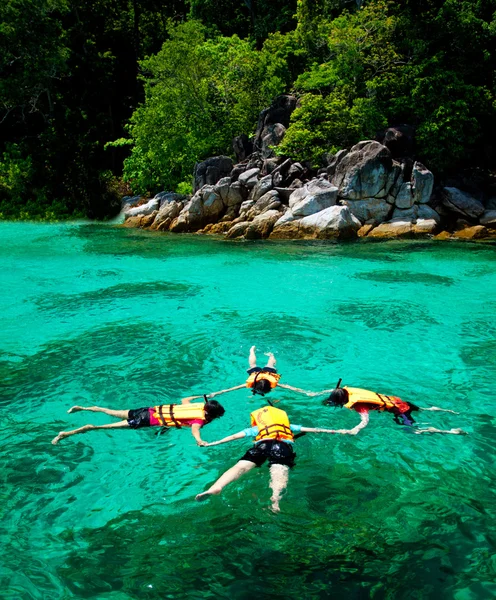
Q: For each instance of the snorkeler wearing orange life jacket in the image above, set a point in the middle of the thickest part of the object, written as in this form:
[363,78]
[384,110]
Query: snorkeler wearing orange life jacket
[261,380]
[363,401]
[187,414]
[274,437]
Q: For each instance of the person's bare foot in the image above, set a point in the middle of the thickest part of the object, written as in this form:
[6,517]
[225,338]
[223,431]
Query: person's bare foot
[275,506]
[59,437]
[205,495]
[75,409]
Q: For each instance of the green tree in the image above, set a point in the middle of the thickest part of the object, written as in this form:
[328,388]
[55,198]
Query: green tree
[199,94]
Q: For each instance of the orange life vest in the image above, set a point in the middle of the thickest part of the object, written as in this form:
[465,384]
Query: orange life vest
[169,415]
[272,378]
[376,401]
[272,423]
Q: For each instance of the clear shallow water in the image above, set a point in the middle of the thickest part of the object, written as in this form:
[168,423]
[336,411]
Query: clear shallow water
[123,318]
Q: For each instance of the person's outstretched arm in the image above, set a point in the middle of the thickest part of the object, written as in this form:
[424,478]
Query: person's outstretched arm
[295,389]
[229,438]
[364,421]
[195,432]
[317,430]
[213,394]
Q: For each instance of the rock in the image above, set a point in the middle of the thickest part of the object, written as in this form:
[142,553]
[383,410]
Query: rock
[270,164]
[238,230]
[392,229]
[315,201]
[460,202]
[393,183]
[471,233]
[374,210]
[128,202]
[169,197]
[143,210]
[405,215]
[235,194]
[424,226]
[255,161]
[444,235]
[491,203]
[287,231]
[364,230]
[273,135]
[147,220]
[133,221]
[422,183]
[363,172]
[261,188]
[280,174]
[425,212]
[488,219]
[262,225]
[249,178]
[334,162]
[264,202]
[279,112]
[167,213]
[284,193]
[222,188]
[212,203]
[399,140]
[236,172]
[210,171]
[231,213]
[404,199]
[287,217]
[332,222]
[242,147]
[322,192]
[216,228]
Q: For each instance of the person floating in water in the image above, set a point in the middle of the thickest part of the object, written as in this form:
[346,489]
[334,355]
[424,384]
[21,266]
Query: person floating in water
[186,414]
[274,439]
[363,401]
[261,380]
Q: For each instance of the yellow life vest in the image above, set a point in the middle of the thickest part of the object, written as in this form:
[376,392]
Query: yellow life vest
[169,415]
[272,378]
[381,401]
[272,423]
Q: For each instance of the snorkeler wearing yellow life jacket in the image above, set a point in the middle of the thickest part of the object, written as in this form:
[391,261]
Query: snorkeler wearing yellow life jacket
[363,401]
[274,437]
[167,416]
[261,380]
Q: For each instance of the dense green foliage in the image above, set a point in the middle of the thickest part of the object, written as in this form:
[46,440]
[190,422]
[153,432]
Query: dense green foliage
[91,91]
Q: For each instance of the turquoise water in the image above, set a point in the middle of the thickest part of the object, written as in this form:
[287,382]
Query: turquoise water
[124,318]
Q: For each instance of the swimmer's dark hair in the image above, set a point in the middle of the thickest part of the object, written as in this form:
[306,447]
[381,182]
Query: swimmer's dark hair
[338,397]
[261,386]
[213,410]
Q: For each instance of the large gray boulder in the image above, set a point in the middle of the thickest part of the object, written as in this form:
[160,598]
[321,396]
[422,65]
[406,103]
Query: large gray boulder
[422,183]
[235,194]
[166,215]
[262,225]
[249,178]
[363,172]
[261,187]
[488,219]
[211,170]
[370,210]
[460,202]
[273,135]
[404,198]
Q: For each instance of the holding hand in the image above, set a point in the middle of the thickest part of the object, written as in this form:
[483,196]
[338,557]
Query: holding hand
[202,443]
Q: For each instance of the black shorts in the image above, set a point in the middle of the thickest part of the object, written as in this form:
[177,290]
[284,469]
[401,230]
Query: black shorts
[138,417]
[277,452]
[261,370]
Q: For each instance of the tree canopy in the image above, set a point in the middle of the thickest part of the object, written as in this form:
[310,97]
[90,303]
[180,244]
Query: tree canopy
[106,96]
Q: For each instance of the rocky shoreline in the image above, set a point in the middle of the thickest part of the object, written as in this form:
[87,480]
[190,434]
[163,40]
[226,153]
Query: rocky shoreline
[373,190]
